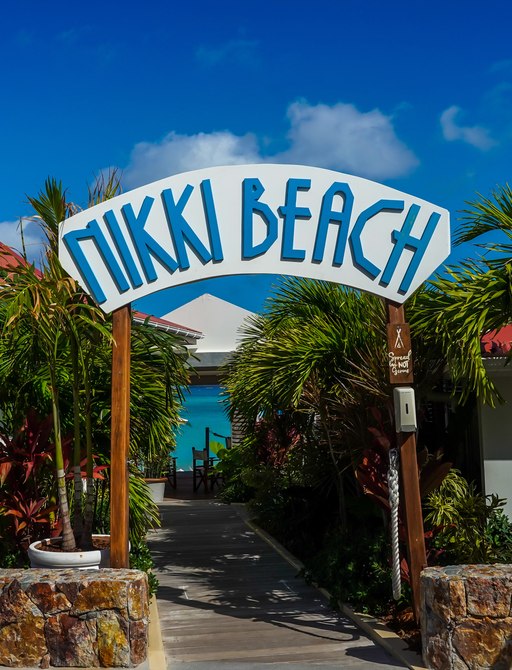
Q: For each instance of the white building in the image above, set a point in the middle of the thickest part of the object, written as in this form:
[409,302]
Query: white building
[220,322]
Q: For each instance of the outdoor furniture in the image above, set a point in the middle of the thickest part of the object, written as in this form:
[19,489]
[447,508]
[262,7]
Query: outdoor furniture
[171,475]
[203,473]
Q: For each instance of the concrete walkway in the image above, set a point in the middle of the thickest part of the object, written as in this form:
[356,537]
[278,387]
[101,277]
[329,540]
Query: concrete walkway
[228,600]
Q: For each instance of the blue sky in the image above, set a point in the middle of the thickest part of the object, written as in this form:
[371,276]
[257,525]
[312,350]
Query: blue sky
[417,95]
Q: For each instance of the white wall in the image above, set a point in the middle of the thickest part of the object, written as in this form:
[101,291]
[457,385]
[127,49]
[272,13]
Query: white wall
[218,319]
[496,439]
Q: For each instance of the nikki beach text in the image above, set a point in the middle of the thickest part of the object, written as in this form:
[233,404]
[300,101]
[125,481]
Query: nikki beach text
[170,230]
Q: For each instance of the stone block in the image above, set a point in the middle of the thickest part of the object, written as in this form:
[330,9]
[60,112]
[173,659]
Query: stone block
[113,644]
[23,643]
[448,598]
[466,617]
[71,641]
[138,642]
[73,618]
[488,595]
[101,595]
[436,652]
[70,589]
[15,604]
[138,599]
[483,642]
[46,597]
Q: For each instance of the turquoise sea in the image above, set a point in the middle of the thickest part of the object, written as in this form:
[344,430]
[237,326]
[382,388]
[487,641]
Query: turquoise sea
[203,409]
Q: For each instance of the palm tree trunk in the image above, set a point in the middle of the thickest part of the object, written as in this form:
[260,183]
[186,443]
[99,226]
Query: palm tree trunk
[90,493]
[77,471]
[68,539]
[342,511]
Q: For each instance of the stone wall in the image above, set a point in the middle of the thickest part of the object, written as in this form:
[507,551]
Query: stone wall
[466,618]
[81,618]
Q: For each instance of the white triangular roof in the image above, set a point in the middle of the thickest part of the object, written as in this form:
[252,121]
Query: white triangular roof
[218,319]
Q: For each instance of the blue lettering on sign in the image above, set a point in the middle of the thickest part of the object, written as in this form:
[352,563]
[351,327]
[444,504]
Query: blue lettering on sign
[92,231]
[113,245]
[327,216]
[404,240]
[122,249]
[356,247]
[291,213]
[180,230]
[145,245]
[252,190]
[211,221]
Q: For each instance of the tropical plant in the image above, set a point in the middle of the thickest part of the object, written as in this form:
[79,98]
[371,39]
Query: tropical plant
[46,317]
[319,352]
[355,568]
[26,485]
[468,526]
[474,297]
[56,349]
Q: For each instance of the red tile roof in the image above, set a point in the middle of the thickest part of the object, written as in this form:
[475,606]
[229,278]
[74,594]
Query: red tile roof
[167,325]
[10,259]
[497,343]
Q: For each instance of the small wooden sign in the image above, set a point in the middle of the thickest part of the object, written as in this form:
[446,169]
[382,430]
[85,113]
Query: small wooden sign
[399,353]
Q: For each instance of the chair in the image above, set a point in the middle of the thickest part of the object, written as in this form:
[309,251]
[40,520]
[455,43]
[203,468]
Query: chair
[203,472]
[171,475]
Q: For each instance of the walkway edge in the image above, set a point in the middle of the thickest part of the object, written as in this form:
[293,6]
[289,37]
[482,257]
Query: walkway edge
[156,655]
[375,629]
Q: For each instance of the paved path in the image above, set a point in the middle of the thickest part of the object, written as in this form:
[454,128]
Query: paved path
[228,600]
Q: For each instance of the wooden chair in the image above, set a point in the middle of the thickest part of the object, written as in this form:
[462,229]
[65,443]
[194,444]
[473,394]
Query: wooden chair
[171,475]
[200,468]
[203,472]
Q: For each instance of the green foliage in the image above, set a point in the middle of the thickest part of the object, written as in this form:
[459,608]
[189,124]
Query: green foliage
[144,513]
[485,215]
[473,298]
[354,567]
[11,556]
[140,559]
[468,526]
[307,335]
[454,311]
[499,533]
[235,466]
[318,355]
[56,353]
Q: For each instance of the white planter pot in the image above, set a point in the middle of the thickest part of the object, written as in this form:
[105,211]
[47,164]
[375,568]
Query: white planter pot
[157,488]
[83,560]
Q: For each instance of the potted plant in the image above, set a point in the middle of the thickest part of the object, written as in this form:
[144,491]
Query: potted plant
[52,330]
[157,469]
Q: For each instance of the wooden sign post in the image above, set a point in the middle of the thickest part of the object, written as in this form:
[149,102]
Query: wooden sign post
[401,373]
[120,438]
[117,259]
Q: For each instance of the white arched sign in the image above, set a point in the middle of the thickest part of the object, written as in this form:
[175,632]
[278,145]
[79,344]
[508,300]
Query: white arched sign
[255,219]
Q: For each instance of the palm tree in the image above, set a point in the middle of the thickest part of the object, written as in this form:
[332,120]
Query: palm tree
[47,316]
[303,355]
[473,298]
[320,349]
[54,329]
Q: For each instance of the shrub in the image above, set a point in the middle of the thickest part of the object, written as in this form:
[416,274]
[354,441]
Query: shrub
[354,567]
[140,559]
[468,527]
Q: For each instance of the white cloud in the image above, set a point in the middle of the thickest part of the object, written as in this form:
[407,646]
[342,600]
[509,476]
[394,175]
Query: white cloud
[477,136]
[339,137]
[180,153]
[10,235]
[343,138]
